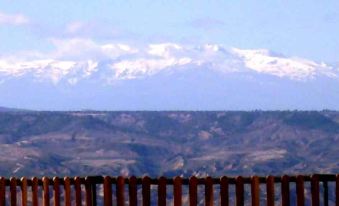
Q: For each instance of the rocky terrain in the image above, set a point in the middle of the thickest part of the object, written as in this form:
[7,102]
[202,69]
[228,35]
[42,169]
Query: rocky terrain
[168,143]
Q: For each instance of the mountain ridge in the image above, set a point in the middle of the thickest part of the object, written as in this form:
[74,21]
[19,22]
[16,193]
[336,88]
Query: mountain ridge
[165,77]
[168,143]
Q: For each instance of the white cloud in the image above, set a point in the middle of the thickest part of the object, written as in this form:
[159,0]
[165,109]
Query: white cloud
[84,29]
[82,48]
[13,19]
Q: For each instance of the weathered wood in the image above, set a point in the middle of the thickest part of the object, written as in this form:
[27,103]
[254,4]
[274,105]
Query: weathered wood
[193,191]
[177,191]
[56,191]
[45,187]
[120,191]
[209,196]
[315,190]
[77,187]
[107,191]
[88,192]
[239,191]
[133,191]
[67,188]
[2,191]
[24,191]
[13,191]
[146,191]
[255,191]
[35,200]
[300,191]
[224,196]
[162,191]
[285,191]
[270,191]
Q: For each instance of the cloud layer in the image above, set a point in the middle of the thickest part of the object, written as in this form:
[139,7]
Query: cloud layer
[13,19]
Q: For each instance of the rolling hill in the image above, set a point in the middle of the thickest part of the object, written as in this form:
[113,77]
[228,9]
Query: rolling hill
[168,143]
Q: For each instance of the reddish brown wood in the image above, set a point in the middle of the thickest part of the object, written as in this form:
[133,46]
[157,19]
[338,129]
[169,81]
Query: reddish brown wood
[35,200]
[107,191]
[120,191]
[132,191]
[337,189]
[255,190]
[56,191]
[224,196]
[239,191]
[193,191]
[45,188]
[88,190]
[300,191]
[162,191]
[315,190]
[177,191]
[146,191]
[270,190]
[13,191]
[77,187]
[2,191]
[24,191]
[285,190]
[67,188]
[209,197]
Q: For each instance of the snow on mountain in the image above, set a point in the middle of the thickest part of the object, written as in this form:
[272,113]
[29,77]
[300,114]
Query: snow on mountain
[79,59]
[81,74]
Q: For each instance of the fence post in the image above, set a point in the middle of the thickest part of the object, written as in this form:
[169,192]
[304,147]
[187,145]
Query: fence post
[255,190]
[337,189]
[146,191]
[24,191]
[77,187]
[89,195]
[120,191]
[2,191]
[209,197]
[193,193]
[177,191]
[133,191]
[300,191]
[285,190]
[67,188]
[45,185]
[56,191]
[13,191]
[239,191]
[224,196]
[270,190]
[162,191]
[315,190]
[107,191]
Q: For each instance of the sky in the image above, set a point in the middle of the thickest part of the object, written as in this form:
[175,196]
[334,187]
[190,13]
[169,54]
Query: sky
[307,29]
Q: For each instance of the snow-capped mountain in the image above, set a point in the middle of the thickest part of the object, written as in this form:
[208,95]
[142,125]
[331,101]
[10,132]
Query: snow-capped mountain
[81,74]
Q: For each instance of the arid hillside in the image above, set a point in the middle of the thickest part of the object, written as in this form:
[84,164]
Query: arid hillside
[168,143]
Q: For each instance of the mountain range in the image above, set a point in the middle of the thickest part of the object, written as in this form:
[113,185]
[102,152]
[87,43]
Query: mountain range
[82,74]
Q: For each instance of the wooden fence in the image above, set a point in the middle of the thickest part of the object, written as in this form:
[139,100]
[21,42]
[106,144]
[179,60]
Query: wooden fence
[133,191]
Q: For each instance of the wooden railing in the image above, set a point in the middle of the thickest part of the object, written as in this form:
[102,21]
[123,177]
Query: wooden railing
[133,191]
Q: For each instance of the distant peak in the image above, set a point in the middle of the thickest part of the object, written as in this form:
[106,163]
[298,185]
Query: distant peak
[78,59]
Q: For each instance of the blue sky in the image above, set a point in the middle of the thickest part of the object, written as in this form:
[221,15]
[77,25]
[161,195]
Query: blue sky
[308,29]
